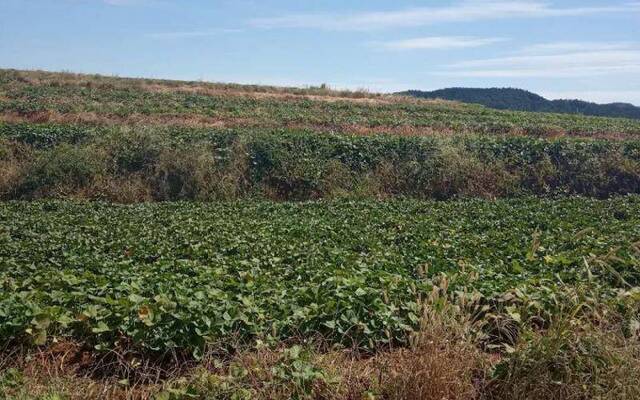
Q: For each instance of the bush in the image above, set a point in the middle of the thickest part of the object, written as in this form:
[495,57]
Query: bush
[132,151]
[299,165]
[65,169]
[14,158]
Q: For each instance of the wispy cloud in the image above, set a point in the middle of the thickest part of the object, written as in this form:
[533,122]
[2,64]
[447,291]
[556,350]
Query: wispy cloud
[562,59]
[436,43]
[598,96]
[464,11]
[555,47]
[190,34]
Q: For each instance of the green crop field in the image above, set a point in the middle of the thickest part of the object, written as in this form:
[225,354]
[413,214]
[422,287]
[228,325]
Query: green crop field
[178,240]
[180,275]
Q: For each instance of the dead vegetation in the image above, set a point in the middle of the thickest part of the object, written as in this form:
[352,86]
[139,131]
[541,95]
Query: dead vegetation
[319,93]
[575,357]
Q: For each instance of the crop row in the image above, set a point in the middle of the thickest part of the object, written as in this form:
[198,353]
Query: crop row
[184,275]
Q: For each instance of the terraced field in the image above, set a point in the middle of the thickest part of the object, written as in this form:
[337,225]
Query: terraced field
[191,240]
[68,98]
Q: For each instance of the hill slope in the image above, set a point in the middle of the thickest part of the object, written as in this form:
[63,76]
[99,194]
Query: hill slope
[207,288]
[522,100]
[135,140]
[30,96]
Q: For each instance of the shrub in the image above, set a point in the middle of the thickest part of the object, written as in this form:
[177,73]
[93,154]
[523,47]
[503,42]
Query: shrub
[63,170]
[132,150]
[14,158]
[172,163]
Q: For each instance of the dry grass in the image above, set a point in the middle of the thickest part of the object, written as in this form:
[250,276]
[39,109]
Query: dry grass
[575,358]
[13,163]
[134,119]
[442,362]
[281,94]
[196,174]
[61,371]
[10,177]
[133,188]
[571,360]
[462,173]
[201,121]
[321,93]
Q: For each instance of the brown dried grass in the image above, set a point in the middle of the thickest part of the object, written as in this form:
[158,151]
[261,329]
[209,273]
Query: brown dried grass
[324,93]
[572,359]
[201,121]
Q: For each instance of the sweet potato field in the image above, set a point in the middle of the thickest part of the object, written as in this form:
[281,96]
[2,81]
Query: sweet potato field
[165,276]
[187,240]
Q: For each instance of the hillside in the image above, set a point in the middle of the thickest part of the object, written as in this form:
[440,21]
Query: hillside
[522,100]
[132,140]
[171,240]
[41,97]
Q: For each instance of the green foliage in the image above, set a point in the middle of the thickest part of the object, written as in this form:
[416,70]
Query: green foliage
[263,374]
[184,275]
[10,378]
[209,164]
[131,151]
[43,135]
[64,166]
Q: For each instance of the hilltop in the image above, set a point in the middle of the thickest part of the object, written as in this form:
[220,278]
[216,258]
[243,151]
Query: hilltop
[522,100]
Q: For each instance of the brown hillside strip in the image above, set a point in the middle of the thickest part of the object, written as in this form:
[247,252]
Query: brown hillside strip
[200,121]
[135,119]
[41,78]
[330,97]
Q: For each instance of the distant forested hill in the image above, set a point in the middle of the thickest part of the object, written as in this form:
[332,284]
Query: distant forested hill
[518,99]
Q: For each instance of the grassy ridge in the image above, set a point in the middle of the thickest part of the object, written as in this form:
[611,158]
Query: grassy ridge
[131,140]
[182,275]
[33,96]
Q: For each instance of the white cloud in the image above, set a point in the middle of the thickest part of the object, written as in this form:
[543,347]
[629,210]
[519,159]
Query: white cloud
[464,11]
[597,96]
[554,60]
[436,43]
[551,48]
[190,34]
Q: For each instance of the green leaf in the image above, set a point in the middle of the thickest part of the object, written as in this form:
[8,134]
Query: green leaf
[101,327]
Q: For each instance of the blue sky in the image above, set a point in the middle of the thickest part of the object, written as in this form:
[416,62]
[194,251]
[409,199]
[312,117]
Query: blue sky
[560,49]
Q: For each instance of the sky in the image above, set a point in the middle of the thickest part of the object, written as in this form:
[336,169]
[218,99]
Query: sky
[560,49]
